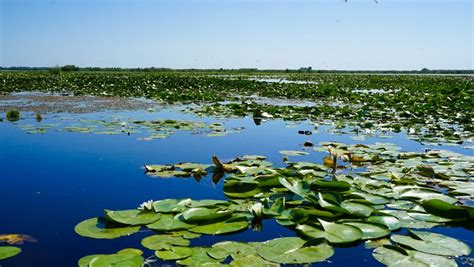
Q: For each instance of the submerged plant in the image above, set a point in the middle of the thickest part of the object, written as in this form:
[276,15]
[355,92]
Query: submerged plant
[13,115]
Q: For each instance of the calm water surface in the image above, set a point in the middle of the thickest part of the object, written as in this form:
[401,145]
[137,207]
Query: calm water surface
[52,181]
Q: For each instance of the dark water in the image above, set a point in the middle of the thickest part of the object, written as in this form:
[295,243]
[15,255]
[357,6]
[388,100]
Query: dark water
[50,182]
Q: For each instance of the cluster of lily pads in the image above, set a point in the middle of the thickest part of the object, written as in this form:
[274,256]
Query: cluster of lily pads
[431,109]
[359,193]
[157,129]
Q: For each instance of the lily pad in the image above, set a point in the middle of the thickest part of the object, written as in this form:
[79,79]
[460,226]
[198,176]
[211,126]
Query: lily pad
[371,230]
[294,250]
[132,217]
[433,243]
[122,260]
[395,256]
[293,153]
[205,214]
[8,251]
[252,260]
[222,250]
[164,242]
[333,232]
[223,227]
[101,229]
[168,222]
[175,253]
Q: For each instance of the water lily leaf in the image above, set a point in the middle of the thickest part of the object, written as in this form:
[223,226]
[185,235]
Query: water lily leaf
[168,222]
[189,166]
[433,243]
[185,234]
[130,251]
[164,242]
[133,217]
[207,203]
[293,153]
[392,223]
[176,253]
[8,252]
[370,230]
[16,239]
[170,205]
[101,229]
[300,188]
[422,216]
[339,186]
[241,189]
[252,260]
[445,209]
[395,256]
[199,257]
[205,214]
[231,225]
[357,209]
[425,194]
[124,260]
[222,250]
[335,233]
[294,250]
[406,221]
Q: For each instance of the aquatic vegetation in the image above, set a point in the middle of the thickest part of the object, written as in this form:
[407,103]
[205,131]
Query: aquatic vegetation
[366,193]
[13,115]
[8,252]
[16,239]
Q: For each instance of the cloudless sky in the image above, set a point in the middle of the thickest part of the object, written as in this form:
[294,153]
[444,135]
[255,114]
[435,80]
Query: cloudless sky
[324,34]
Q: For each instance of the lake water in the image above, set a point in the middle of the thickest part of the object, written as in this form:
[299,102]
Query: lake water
[52,181]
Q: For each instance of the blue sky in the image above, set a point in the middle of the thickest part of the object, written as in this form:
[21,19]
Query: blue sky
[324,34]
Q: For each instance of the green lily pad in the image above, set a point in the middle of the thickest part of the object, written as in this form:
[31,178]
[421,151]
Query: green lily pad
[205,214]
[164,242]
[175,253]
[223,227]
[371,230]
[395,256]
[222,250]
[84,261]
[252,260]
[130,251]
[392,223]
[199,257]
[333,232]
[293,153]
[444,209]
[168,222]
[241,189]
[8,251]
[357,209]
[294,250]
[132,217]
[170,205]
[101,229]
[433,243]
[122,260]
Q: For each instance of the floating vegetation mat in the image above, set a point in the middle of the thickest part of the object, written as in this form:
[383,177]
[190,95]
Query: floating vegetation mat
[377,194]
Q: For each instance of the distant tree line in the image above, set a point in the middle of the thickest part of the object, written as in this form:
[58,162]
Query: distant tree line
[72,68]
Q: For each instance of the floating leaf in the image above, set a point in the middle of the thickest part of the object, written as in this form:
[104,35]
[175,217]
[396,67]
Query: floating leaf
[241,189]
[175,253]
[199,257]
[222,250]
[168,222]
[357,209]
[395,256]
[445,209]
[392,223]
[333,232]
[252,260]
[370,230]
[205,214]
[101,229]
[129,260]
[133,217]
[231,225]
[293,153]
[8,251]
[294,250]
[433,243]
[164,242]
